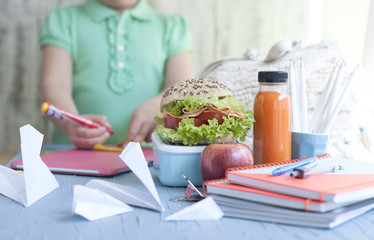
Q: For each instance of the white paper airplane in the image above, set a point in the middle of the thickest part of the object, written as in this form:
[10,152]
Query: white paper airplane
[206,209]
[126,194]
[37,180]
[94,204]
[134,158]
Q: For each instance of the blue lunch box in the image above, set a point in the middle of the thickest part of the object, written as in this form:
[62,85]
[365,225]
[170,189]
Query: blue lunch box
[171,161]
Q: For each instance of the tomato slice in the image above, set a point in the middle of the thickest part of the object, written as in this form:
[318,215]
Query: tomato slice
[172,122]
[198,122]
[211,115]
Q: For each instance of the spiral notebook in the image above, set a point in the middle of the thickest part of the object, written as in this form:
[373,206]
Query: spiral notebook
[244,209]
[222,187]
[354,183]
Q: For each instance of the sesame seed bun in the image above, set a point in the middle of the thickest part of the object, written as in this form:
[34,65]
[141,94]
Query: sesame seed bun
[204,87]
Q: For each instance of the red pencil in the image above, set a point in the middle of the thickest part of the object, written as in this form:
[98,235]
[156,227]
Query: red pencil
[51,110]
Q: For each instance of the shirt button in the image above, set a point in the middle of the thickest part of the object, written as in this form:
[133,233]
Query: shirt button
[120,47]
[121,65]
[120,31]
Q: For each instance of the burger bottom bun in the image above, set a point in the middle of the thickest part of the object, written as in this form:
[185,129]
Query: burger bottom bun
[227,138]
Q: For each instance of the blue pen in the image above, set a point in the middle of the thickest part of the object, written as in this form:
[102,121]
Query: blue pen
[291,166]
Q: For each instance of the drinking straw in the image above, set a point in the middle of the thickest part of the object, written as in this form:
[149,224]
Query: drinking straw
[304,110]
[337,107]
[334,91]
[320,108]
[294,99]
[330,103]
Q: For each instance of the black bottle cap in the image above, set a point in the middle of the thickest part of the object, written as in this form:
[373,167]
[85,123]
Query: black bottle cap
[272,76]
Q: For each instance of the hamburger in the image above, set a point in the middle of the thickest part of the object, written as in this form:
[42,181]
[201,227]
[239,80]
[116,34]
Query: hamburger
[202,111]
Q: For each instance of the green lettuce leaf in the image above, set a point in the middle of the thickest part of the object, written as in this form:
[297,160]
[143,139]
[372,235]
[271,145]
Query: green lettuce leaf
[191,135]
[192,103]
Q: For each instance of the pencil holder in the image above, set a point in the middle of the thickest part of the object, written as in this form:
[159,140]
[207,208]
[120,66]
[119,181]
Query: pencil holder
[308,144]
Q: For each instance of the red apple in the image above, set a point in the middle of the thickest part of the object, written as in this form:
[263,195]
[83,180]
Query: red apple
[216,158]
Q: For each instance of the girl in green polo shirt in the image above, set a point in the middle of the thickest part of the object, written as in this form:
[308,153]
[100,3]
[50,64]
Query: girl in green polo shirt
[109,61]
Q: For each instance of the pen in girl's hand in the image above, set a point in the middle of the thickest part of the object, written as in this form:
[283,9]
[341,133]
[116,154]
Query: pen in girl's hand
[51,110]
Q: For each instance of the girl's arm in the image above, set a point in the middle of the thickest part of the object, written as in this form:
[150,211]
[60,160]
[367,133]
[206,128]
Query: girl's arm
[56,87]
[177,68]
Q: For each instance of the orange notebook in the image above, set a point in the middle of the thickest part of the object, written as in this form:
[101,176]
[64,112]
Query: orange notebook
[225,188]
[354,183]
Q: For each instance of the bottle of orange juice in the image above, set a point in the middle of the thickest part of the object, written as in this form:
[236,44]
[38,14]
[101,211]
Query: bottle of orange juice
[272,112]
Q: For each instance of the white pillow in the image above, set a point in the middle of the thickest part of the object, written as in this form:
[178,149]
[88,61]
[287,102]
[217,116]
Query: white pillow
[352,133]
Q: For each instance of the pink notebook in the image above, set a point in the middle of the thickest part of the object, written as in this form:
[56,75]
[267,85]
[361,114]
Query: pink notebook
[86,162]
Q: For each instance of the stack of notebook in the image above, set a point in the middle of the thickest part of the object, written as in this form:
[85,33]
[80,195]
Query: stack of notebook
[322,200]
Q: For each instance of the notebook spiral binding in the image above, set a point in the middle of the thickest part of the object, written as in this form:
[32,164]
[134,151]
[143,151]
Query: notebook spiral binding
[265,165]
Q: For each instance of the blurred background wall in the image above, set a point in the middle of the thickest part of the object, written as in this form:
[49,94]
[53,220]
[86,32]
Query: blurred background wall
[219,28]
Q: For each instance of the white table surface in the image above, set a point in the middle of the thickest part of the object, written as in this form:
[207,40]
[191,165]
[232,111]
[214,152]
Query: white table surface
[51,218]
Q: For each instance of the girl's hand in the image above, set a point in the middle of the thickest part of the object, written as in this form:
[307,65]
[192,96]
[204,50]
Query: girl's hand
[83,137]
[142,122]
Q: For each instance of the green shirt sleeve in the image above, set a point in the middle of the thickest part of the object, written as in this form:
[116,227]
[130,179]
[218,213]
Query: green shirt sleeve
[56,30]
[178,37]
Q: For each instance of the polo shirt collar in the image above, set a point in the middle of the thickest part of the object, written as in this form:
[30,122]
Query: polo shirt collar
[99,11]
[142,10]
